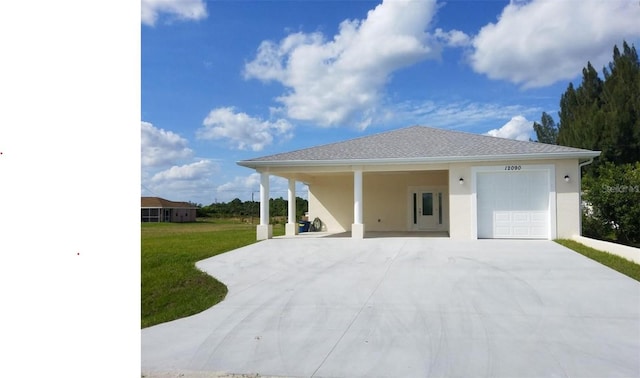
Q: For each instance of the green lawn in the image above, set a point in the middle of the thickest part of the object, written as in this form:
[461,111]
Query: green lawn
[614,262]
[172,287]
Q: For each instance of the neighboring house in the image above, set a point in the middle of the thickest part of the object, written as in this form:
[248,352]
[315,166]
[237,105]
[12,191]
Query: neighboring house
[156,209]
[427,179]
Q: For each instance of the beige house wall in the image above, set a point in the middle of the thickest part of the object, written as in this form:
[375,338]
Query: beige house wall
[567,199]
[460,201]
[568,210]
[182,215]
[331,200]
[386,196]
[387,205]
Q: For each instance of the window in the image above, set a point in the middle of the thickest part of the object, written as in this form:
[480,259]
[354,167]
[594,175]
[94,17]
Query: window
[439,208]
[415,209]
[150,215]
[427,203]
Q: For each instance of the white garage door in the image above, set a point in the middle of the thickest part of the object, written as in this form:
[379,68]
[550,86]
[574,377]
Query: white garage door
[513,204]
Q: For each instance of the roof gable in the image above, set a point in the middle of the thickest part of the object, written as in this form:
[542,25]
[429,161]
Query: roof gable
[420,143]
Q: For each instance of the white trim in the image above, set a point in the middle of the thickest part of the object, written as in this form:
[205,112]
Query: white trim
[357,196]
[584,163]
[291,228]
[553,200]
[423,160]
[291,196]
[445,206]
[264,198]
[551,168]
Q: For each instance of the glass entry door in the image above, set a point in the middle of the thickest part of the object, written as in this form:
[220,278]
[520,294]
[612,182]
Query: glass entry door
[427,209]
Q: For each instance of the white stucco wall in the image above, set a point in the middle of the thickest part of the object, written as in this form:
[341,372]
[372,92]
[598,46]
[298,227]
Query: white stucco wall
[629,253]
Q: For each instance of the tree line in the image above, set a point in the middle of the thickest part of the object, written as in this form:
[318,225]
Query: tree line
[236,208]
[603,114]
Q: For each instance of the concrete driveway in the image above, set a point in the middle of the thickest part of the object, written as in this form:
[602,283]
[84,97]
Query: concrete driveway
[406,307]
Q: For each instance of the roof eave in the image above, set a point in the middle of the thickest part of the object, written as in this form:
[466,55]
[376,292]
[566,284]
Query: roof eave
[438,159]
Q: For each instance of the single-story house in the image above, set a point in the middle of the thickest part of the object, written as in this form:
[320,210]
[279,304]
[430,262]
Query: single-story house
[156,209]
[427,179]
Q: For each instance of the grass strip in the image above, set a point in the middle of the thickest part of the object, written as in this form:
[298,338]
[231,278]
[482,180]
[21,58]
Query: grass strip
[172,287]
[615,262]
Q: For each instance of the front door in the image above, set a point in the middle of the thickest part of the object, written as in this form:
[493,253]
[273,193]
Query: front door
[427,209]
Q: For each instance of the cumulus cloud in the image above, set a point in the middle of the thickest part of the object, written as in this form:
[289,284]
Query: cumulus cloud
[241,184]
[161,148]
[166,168]
[178,9]
[341,80]
[191,171]
[244,131]
[518,128]
[537,43]
[188,182]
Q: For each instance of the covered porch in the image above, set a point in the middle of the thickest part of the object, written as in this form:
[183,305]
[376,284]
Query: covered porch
[366,201]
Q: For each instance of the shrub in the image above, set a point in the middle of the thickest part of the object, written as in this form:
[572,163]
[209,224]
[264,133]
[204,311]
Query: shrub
[613,192]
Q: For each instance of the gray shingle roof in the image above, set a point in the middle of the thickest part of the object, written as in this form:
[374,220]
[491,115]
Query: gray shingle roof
[417,143]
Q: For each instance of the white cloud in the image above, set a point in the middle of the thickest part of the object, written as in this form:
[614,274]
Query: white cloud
[540,42]
[244,131]
[162,174]
[189,182]
[340,81]
[160,147]
[452,38]
[456,114]
[180,9]
[240,186]
[193,171]
[518,128]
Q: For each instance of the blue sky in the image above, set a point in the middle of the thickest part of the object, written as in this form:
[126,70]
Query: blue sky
[223,81]
[78,77]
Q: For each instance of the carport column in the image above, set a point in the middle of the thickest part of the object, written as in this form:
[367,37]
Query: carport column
[357,228]
[265,230]
[291,228]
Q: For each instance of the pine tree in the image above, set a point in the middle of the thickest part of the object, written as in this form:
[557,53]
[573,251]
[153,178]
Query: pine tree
[589,117]
[546,130]
[621,107]
[605,115]
[567,114]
